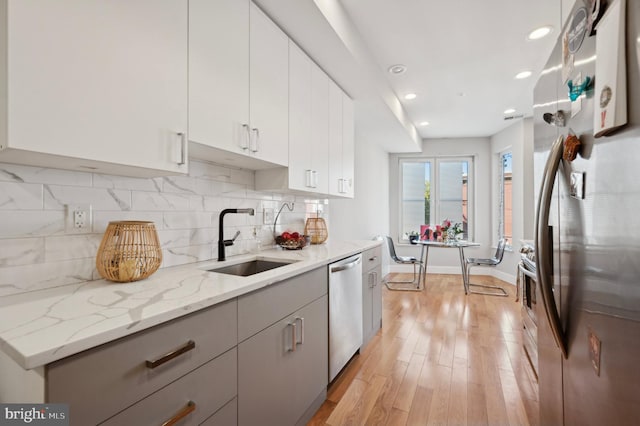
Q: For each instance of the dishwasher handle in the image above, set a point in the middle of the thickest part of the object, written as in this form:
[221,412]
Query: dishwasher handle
[345,266]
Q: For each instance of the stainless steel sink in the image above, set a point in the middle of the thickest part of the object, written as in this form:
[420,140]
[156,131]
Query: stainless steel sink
[251,267]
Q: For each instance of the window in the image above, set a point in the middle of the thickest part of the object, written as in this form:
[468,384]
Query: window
[435,189]
[505,227]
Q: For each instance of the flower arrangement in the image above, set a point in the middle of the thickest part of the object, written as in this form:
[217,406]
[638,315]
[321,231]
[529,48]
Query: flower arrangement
[455,227]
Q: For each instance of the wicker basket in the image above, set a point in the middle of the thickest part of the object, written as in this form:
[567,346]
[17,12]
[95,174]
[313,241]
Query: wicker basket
[316,228]
[129,251]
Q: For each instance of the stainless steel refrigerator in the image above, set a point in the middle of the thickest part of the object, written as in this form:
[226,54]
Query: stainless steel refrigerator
[588,230]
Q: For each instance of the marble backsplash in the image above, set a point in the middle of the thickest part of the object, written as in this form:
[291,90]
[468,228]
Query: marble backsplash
[38,250]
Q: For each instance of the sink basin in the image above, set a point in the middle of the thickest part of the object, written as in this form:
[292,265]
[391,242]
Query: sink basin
[252,267]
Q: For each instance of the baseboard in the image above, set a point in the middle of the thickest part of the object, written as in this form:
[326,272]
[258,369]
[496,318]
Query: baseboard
[455,270]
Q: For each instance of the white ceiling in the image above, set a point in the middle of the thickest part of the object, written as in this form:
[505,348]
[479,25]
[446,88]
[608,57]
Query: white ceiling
[461,57]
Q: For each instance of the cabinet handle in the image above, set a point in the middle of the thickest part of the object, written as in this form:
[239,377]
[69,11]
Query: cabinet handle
[171,355]
[372,259]
[301,330]
[308,182]
[314,174]
[342,186]
[184,412]
[183,148]
[294,337]
[247,140]
[256,131]
[375,279]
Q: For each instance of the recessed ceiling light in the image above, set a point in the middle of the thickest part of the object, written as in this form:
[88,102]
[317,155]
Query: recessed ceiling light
[509,111]
[397,69]
[539,32]
[523,74]
[424,123]
[410,96]
[461,94]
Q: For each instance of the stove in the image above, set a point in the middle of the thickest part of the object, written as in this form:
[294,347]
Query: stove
[528,289]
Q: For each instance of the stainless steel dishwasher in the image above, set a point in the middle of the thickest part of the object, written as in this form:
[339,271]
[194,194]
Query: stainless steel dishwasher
[345,312]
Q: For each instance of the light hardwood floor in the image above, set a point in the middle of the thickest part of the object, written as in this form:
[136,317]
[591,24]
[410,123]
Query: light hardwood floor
[440,358]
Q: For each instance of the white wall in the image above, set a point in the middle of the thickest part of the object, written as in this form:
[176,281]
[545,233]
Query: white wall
[518,138]
[447,260]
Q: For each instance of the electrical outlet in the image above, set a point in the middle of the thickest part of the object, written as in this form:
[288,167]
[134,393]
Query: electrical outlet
[267,216]
[78,218]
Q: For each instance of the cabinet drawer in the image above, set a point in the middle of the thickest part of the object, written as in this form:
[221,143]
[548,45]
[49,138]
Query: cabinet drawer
[117,372]
[209,388]
[371,258]
[260,309]
[226,416]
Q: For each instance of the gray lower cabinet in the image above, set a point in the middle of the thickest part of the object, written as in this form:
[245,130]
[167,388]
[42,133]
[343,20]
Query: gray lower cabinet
[260,359]
[99,383]
[191,400]
[371,293]
[282,369]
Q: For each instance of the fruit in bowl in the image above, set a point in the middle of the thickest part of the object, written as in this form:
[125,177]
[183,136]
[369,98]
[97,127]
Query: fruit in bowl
[292,240]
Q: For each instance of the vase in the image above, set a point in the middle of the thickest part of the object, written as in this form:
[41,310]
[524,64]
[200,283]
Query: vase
[448,236]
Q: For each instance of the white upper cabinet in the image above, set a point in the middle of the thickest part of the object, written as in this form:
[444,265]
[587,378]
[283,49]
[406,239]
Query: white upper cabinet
[268,89]
[238,84]
[95,85]
[219,74]
[308,124]
[341,143]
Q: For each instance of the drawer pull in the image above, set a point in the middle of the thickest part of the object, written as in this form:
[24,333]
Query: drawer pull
[188,409]
[171,355]
[372,259]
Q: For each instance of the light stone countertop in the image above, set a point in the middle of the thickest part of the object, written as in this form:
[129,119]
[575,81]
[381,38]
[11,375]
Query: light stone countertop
[40,327]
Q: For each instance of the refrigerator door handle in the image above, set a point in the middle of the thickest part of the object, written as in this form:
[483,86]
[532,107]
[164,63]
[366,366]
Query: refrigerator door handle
[542,243]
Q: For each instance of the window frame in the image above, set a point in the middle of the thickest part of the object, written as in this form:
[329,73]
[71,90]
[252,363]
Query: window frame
[435,197]
[501,196]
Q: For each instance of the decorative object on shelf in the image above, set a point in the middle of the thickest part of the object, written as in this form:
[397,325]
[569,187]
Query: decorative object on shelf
[413,237]
[316,228]
[129,251]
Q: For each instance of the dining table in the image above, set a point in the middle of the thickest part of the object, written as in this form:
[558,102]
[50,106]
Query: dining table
[455,244]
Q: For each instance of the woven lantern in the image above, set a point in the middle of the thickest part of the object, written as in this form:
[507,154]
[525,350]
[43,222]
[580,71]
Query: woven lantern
[129,251]
[316,228]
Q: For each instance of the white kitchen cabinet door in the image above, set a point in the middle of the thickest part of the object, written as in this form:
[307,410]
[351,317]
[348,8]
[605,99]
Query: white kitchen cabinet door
[335,138]
[268,89]
[308,123]
[300,111]
[341,143]
[348,147]
[97,85]
[219,74]
[319,136]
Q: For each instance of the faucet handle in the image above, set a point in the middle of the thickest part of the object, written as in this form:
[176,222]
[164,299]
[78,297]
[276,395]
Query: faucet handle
[231,241]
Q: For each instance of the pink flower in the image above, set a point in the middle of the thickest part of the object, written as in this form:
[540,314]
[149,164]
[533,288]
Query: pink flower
[446,223]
